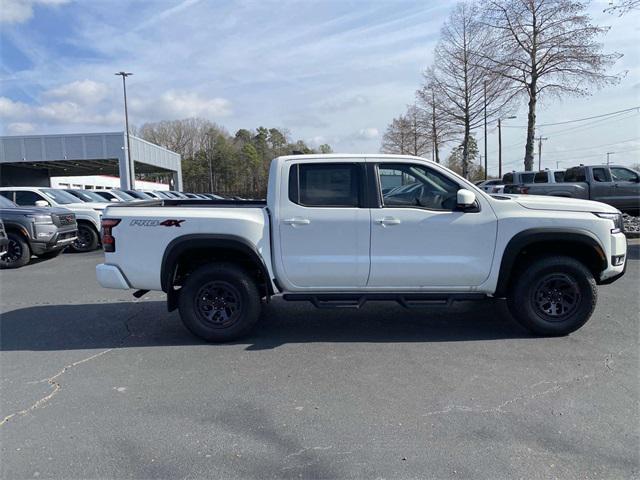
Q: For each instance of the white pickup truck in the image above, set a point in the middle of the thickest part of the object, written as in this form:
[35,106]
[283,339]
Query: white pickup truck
[341,230]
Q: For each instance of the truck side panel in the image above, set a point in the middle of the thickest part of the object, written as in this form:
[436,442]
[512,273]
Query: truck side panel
[144,233]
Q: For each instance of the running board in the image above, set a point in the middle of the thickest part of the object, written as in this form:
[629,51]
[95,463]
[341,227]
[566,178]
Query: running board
[407,300]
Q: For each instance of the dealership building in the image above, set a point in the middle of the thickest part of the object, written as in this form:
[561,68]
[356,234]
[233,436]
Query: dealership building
[31,160]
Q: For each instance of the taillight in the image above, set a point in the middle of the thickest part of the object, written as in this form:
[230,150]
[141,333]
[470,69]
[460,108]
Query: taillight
[524,190]
[108,240]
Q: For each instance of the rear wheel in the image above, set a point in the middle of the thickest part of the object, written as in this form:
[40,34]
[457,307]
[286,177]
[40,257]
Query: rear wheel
[219,303]
[87,240]
[18,252]
[553,296]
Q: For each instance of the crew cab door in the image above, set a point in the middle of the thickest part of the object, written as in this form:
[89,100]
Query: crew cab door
[323,226]
[418,236]
[625,190]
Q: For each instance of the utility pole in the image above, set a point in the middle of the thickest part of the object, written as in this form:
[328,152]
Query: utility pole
[540,139]
[609,153]
[499,148]
[132,175]
[485,129]
[433,127]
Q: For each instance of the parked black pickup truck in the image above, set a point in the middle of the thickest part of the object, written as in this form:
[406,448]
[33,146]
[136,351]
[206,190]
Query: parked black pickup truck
[616,185]
[43,232]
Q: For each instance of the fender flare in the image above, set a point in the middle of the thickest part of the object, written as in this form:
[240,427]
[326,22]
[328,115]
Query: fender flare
[183,243]
[536,235]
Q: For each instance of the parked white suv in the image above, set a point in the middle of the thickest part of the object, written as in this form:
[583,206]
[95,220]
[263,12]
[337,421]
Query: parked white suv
[340,230]
[87,214]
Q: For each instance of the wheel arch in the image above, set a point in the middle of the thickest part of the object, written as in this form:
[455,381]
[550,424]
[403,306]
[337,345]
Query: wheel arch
[229,248]
[579,244]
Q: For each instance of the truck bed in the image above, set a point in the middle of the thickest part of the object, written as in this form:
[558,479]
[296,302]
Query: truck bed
[178,202]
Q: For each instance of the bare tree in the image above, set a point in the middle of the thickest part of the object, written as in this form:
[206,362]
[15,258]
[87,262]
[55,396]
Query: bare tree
[547,47]
[460,71]
[622,7]
[419,131]
[439,127]
[397,137]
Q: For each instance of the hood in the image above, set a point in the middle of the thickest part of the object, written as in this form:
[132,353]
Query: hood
[542,202]
[86,206]
[34,210]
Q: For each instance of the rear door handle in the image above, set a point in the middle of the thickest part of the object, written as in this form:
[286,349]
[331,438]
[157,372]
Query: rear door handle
[297,221]
[388,221]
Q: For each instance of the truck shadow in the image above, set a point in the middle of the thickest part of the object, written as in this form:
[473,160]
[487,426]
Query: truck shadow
[147,324]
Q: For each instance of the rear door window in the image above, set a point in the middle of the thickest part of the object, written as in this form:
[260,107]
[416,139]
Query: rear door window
[325,185]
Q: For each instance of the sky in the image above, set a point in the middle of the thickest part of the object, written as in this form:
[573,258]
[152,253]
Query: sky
[328,71]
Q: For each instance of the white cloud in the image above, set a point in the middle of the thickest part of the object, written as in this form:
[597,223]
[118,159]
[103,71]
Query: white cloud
[85,92]
[181,104]
[13,110]
[367,133]
[20,128]
[19,11]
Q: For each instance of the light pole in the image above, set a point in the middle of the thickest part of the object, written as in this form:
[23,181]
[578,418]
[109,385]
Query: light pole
[500,144]
[132,177]
[485,128]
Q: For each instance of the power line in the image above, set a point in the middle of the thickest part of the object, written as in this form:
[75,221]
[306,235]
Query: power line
[591,147]
[578,119]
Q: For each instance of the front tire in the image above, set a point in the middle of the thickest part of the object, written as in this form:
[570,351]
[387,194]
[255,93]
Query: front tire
[87,240]
[18,252]
[553,296]
[219,302]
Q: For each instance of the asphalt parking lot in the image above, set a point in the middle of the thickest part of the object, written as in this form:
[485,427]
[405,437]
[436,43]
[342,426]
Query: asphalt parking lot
[96,385]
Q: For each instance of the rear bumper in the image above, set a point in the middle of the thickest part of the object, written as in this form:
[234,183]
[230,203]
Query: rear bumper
[110,276]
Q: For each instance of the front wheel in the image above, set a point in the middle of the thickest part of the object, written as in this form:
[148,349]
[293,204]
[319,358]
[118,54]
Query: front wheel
[87,240]
[553,296]
[18,252]
[219,302]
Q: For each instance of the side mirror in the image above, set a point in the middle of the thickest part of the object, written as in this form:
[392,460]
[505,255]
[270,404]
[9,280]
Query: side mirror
[114,200]
[42,203]
[466,199]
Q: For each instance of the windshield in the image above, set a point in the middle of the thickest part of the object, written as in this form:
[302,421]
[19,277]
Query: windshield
[87,196]
[123,195]
[59,196]
[6,203]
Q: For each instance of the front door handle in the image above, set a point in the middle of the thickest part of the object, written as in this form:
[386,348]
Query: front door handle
[297,221]
[388,221]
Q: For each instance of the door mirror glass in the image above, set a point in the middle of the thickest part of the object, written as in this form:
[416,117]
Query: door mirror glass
[42,203]
[466,198]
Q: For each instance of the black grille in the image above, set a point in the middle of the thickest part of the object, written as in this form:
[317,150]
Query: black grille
[65,219]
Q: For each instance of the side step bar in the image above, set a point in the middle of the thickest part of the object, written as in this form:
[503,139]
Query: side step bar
[407,300]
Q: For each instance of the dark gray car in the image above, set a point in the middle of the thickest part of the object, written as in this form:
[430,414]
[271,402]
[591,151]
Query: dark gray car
[43,232]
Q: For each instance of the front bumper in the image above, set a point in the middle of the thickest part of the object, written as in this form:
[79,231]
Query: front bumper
[618,248]
[110,276]
[59,241]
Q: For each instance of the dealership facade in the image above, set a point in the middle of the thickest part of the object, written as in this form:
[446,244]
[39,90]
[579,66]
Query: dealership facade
[31,160]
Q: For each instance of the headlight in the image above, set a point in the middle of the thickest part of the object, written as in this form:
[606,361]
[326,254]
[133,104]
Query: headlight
[41,219]
[616,218]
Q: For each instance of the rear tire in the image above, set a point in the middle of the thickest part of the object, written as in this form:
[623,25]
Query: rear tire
[18,252]
[219,302]
[87,240]
[553,296]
